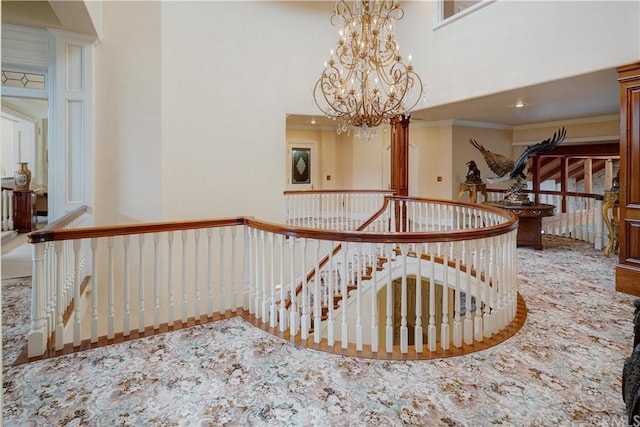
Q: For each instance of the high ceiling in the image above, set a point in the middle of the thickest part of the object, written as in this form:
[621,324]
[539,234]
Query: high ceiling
[588,95]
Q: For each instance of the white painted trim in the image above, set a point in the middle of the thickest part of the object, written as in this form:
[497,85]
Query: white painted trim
[312,127]
[569,141]
[444,22]
[27,48]
[461,123]
[579,121]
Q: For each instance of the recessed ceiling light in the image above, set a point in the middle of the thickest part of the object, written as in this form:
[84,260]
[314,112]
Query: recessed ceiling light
[313,121]
[519,104]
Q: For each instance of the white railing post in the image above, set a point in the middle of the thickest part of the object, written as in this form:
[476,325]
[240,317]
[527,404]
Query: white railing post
[343,300]
[317,298]
[404,331]
[273,316]
[156,281]
[37,340]
[304,294]
[170,296]
[183,281]
[331,300]
[598,226]
[457,324]
[126,315]
[111,298]
[59,282]
[283,310]
[222,287]
[196,274]
[234,285]
[94,291]
[389,307]
[76,295]
[141,300]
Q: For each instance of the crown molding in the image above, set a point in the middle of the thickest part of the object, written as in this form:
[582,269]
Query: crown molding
[461,123]
[582,140]
[579,121]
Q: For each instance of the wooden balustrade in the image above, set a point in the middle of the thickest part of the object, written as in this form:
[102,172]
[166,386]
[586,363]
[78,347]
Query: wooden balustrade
[446,278]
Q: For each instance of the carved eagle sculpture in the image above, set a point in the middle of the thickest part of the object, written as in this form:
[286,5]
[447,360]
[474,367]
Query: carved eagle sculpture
[505,168]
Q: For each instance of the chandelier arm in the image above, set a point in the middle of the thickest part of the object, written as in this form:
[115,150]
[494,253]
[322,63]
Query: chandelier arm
[366,83]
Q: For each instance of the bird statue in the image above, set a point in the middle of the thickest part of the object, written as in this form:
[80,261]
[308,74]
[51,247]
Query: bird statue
[507,169]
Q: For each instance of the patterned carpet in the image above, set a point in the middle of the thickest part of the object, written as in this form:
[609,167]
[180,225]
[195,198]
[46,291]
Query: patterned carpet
[562,369]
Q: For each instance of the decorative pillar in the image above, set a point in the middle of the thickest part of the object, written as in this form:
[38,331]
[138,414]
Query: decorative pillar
[400,155]
[400,166]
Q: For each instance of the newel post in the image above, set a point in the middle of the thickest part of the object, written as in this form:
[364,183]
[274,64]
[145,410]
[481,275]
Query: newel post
[37,340]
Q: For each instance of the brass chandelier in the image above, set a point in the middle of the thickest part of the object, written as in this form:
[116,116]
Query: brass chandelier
[365,82]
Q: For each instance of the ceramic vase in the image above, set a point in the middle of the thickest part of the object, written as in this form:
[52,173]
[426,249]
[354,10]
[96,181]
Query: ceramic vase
[22,176]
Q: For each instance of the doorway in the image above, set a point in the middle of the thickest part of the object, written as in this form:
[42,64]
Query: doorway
[25,123]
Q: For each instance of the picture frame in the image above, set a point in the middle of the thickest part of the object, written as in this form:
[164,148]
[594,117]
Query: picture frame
[300,165]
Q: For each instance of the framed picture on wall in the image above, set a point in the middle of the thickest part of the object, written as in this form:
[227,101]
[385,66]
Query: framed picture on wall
[301,166]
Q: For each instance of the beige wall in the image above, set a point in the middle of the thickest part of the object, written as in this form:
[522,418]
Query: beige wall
[498,141]
[435,156]
[191,107]
[128,94]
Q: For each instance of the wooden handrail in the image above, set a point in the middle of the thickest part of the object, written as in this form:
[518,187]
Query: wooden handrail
[289,192]
[48,235]
[52,233]
[550,192]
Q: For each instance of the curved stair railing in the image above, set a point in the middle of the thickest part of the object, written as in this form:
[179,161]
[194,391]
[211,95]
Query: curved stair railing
[577,216]
[134,280]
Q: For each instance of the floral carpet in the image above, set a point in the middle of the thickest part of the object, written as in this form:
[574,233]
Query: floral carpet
[563,368]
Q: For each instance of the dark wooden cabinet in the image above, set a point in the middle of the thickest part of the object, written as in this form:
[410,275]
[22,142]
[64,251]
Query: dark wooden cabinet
[22,211]
[529,222]
[628,267]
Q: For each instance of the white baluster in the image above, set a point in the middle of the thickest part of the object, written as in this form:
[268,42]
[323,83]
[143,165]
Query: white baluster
[222,287]
[374,299]
[126,315]
[273,315]
[283,309]
[185,308]
[258,288]
[196,273]
[37,340]
[404,331]
[234,285]
[293,308]
[344,295]
[317,297]
[111,313]
[156,281]
[94,291]
[457,324]
[170,302]
[468,323]
[389,308]
[141,301]
[331,300]
[487,287]
[418,337]
[76,296]
[477,320]
[444,326]
[265,299]
[59,283]
[210,272]
[359,265]
[304,295]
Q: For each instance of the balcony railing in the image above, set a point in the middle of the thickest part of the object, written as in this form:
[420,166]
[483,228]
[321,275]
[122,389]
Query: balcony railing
[421,276]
